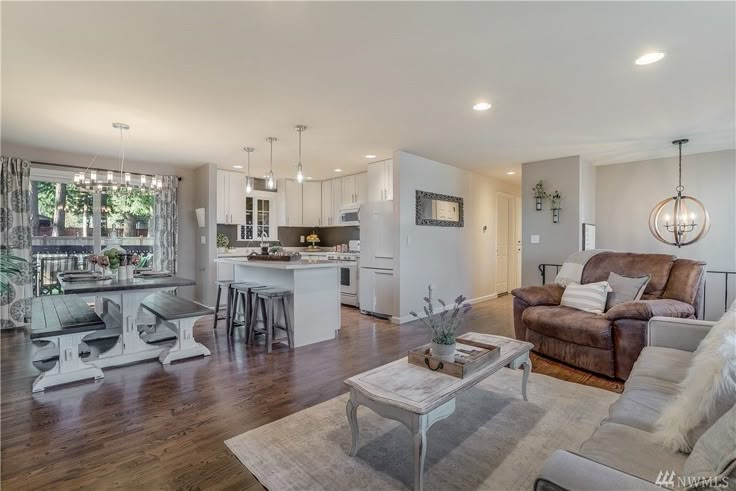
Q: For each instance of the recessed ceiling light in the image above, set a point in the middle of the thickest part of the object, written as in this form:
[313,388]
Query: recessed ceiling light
[649,58]
[482,106]
[510,173]
[370,156]
[338,170]
[238,166]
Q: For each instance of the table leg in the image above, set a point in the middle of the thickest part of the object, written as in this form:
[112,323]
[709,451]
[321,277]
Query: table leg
[70,367]
[185,346]
[420,452]
[527,366]
[352,413]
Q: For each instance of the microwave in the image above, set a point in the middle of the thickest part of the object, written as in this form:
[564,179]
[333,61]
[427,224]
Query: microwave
[349,216]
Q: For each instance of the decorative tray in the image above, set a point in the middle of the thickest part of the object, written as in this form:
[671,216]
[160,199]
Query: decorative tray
[274,257]
[85,277]
[470,356]
[152,274]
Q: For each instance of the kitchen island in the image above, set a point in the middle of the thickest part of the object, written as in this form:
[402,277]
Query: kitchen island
[314,308]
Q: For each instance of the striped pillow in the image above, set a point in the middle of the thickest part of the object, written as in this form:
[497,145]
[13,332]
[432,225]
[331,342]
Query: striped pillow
[590,297]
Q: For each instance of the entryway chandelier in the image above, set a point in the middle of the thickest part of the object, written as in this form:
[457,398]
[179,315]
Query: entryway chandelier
[680,220]
[89,181]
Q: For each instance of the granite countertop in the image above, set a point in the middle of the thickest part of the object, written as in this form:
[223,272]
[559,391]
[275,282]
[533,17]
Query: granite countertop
[302,264]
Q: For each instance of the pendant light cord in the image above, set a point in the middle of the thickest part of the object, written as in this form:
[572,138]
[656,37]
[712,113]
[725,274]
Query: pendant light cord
[122,155]
[300,145]
[680,167]
[271,158]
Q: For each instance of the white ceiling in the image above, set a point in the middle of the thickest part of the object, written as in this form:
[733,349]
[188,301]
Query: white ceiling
[198,81]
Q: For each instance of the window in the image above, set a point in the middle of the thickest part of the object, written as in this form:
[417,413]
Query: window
[128,213]
[60,209]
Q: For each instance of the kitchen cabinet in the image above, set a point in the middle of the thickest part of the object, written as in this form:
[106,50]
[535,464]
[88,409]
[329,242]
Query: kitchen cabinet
[361,187]
[336,200]
[230,197]
[348,189]
[312,204]
[328,211]
[291,198]
[376,291]
[381,181]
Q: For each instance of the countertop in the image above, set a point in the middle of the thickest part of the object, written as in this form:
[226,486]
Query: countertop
[302,264]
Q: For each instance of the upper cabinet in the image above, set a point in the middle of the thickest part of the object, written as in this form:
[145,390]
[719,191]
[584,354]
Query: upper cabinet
[312,203]
[348,191]
[230,197]
[328,211]
[290,200]
[354,189]
[381,181]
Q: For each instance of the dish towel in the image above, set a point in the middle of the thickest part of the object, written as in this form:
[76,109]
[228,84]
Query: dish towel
[572,269]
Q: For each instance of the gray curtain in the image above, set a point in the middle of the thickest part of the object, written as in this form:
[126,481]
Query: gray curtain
[166,226]
[15,232]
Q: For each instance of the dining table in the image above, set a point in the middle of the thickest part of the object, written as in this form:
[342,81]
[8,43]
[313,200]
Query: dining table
[118,303]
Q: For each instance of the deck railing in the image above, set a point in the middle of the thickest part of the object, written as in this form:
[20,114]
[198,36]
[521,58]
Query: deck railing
[544,268]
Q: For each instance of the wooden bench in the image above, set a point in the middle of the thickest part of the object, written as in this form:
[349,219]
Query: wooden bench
[64,320]
[179,315]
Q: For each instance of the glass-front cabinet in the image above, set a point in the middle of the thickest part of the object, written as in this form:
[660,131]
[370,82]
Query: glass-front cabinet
[257,219]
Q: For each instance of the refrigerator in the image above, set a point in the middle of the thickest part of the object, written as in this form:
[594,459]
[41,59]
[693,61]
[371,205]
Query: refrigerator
[376,274]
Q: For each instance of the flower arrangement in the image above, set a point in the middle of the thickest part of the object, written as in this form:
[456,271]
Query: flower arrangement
[445,325]
[554,200]
[539,191]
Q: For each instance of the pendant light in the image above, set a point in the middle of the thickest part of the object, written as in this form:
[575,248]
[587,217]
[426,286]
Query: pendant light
[679,216]
[299,173]
[270,182]
[249,179]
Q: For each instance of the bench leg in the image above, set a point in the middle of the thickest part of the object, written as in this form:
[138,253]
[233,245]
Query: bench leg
[70,367]
[185,346]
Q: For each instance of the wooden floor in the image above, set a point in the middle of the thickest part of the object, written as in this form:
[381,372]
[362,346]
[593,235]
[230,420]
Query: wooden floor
[146,426]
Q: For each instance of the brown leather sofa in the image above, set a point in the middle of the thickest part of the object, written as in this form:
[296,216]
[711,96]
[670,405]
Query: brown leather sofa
[609,344]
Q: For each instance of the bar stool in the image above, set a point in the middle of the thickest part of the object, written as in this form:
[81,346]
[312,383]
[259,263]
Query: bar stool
[243,292]
[220,285]
[267,299]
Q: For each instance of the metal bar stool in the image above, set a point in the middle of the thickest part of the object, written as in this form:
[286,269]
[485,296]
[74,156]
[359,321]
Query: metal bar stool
[243,292]
[227,284]
[268,299]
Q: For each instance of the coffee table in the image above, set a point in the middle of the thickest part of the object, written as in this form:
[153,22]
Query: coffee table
[419,397]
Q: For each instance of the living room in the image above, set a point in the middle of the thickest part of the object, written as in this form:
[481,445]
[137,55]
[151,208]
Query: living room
[368,245]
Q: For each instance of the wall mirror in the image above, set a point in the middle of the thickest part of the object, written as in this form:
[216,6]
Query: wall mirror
[439,210]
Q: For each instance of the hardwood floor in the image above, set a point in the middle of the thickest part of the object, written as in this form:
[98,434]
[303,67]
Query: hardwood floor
[146,426]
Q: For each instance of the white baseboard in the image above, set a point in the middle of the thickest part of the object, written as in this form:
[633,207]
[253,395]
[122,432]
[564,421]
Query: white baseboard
[409,318]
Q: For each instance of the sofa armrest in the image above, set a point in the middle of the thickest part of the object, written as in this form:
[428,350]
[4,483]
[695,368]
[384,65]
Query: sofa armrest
[539,295]
[646,309]
[682,334]
[572,472]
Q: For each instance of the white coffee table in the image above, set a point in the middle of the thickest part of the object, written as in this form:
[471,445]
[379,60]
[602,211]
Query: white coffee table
[419,397]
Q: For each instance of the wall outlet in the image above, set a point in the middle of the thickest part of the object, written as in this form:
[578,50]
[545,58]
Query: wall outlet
[534,239]
[301,239]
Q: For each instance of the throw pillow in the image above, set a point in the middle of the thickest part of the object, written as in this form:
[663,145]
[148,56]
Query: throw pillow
[708,390]
[590,297]
[714,455]
[625,288]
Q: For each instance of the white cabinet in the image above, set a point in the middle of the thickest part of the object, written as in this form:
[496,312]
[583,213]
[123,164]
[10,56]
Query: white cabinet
[348,190]
[290,193]
[327,208]
[376,290]
[230,197]
[361,187]
[336,200]
[312,204]
[381,181]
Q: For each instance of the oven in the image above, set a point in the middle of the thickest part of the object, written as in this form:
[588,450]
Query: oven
[348,272]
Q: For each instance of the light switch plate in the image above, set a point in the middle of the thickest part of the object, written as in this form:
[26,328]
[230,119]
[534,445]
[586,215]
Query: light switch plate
[534,239]
[203,239]
[301,239]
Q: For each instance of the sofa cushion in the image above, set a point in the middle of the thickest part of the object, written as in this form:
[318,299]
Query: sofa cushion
[588,298]
[714,455]
[642,402]
[646,309]
[625,288]
[684,280]
[631,264]
[571,325]
[632,451]
[662,363]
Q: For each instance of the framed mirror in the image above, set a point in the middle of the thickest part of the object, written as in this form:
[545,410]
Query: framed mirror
[439,210]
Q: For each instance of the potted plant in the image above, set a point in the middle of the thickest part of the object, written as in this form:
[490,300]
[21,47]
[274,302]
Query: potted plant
[554,204]
[539,194]
[444,325]
[222,243]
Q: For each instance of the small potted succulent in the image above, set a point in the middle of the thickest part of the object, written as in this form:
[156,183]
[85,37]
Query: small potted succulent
[444,325]
[222,243]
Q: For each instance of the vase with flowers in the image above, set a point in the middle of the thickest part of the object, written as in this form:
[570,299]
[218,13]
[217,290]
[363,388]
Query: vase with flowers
[444,325]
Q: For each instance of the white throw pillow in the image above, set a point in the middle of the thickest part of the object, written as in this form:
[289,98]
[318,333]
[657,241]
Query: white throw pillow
[590,297]
[708,391]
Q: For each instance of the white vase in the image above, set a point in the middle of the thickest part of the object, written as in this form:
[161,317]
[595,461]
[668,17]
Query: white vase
[444,352]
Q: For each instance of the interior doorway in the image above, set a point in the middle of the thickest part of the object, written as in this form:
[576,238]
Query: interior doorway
[508,247]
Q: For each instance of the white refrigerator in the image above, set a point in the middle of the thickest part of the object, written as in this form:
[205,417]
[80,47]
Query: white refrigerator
[376,275]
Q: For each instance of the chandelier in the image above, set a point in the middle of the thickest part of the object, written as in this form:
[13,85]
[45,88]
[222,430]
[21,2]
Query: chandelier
[90,181]
[680,220]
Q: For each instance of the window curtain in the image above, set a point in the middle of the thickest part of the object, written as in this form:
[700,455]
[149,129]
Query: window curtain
[166,226]
[15,232]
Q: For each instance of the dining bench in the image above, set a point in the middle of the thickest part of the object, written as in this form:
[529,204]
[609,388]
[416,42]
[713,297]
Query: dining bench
[179,315]
[64,320]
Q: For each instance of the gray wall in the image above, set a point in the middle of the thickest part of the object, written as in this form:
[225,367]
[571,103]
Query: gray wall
[204,196]
[556,240]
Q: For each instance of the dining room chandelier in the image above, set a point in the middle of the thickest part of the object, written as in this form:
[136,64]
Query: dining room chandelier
[679,220]
[92,180]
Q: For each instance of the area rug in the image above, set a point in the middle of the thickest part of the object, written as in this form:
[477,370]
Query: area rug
[494,441]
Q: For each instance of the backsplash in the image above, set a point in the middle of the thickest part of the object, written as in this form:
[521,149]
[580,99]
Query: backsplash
[289,236]
[329,236]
